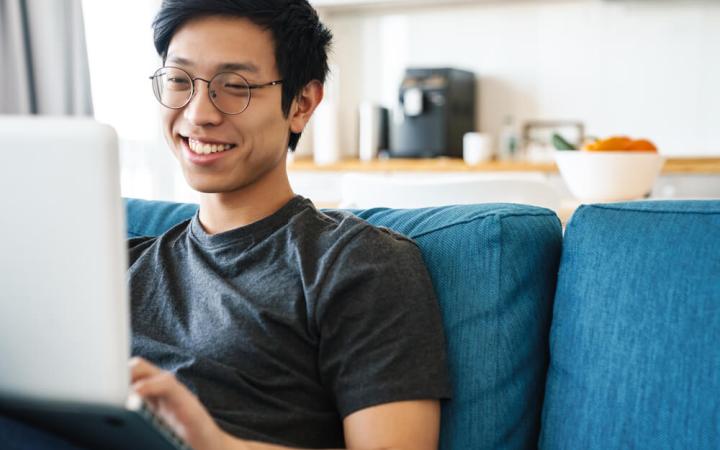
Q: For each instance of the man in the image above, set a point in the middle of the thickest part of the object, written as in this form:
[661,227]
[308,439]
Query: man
[291,326]
[275,325]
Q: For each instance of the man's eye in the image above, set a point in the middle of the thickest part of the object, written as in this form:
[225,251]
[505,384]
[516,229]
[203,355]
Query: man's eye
[236,89]
[178,81]
[177,84]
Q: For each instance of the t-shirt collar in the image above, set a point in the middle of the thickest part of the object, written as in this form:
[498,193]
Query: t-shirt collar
[253,232]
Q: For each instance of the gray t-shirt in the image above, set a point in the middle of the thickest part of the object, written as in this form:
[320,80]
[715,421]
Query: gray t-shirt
[285,326]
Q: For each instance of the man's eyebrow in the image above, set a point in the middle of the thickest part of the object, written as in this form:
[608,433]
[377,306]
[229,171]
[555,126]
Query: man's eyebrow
[234,66]
[247,67]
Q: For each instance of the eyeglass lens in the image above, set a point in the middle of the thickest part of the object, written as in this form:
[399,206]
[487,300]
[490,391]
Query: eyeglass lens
[174,88]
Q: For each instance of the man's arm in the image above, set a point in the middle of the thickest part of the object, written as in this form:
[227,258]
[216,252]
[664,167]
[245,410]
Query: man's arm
[399,425]
[408,425]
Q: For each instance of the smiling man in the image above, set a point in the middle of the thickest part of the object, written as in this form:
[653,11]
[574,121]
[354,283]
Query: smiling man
[267,322]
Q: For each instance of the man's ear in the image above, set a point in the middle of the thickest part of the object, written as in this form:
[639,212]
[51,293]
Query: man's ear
[304,105]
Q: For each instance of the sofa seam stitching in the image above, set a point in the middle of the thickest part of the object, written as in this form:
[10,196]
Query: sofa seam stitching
[484,216]
[663,211]
[497,289]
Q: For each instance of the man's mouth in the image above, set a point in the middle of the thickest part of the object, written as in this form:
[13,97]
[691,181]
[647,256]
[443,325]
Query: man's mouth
[206,148]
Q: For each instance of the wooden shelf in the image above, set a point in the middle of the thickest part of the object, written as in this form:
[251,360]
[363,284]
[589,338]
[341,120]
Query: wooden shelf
[692,165]
[672,166]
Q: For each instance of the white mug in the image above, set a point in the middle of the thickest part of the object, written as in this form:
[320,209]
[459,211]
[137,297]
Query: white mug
[477,147]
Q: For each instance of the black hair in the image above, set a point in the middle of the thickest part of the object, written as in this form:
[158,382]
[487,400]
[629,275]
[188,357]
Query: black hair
[301,41]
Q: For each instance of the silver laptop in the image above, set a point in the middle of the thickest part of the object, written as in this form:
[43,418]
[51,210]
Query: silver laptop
[64,311]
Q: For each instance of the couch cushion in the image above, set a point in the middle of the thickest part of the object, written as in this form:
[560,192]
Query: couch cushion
[635,340]
[152,218]
[493,268]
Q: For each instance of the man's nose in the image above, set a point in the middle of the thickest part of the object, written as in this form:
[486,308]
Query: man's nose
[200,110]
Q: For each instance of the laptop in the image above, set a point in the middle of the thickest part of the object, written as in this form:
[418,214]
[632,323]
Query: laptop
[64,310]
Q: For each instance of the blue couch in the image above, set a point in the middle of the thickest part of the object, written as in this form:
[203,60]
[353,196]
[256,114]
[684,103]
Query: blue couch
[606,337]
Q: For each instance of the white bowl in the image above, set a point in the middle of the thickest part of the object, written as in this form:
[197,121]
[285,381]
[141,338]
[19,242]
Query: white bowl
[605,176]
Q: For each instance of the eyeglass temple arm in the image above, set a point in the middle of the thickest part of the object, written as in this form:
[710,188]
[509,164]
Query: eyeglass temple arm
[258,86]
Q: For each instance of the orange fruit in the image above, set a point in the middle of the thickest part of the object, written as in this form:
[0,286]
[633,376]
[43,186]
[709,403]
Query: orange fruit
[614,143]
[642,145]
[619,143]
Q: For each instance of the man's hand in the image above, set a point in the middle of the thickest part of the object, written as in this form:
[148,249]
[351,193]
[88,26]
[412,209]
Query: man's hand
[399,425]
[176,405]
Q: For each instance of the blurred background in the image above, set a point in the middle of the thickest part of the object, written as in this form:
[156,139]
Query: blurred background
[417,85]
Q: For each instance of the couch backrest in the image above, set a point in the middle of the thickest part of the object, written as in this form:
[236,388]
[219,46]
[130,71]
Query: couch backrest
[494,269]
[635,341]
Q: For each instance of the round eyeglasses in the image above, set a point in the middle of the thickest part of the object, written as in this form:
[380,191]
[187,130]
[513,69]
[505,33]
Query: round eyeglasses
[228,91]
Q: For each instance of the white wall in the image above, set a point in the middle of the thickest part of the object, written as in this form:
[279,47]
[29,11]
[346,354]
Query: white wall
[121,58]
[647,68]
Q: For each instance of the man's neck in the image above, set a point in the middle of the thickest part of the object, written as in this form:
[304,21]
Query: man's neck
[226,211]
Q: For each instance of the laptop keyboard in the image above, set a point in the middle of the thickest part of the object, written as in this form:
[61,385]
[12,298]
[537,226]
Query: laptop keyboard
[137,404]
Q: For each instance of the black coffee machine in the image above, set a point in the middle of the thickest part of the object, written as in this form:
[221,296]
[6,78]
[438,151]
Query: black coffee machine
[436,108]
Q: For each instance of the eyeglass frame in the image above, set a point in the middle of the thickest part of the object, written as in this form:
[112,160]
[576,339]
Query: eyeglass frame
[251,87]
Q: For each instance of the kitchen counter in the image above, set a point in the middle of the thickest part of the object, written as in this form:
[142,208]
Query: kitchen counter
[680,177]
[672,166]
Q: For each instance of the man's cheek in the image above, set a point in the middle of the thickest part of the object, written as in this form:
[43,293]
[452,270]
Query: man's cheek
[168,122]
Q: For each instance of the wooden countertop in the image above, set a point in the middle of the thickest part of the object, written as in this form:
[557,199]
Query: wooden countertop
[672,166]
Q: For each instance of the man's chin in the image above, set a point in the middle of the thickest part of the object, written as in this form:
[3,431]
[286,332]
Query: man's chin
[202,186]
[211,186]
[205,188]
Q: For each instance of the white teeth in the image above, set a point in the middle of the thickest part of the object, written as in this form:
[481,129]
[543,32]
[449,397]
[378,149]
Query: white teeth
[205,149]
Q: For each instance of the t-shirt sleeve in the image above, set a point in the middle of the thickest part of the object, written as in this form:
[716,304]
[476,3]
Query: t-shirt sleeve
[381,337]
